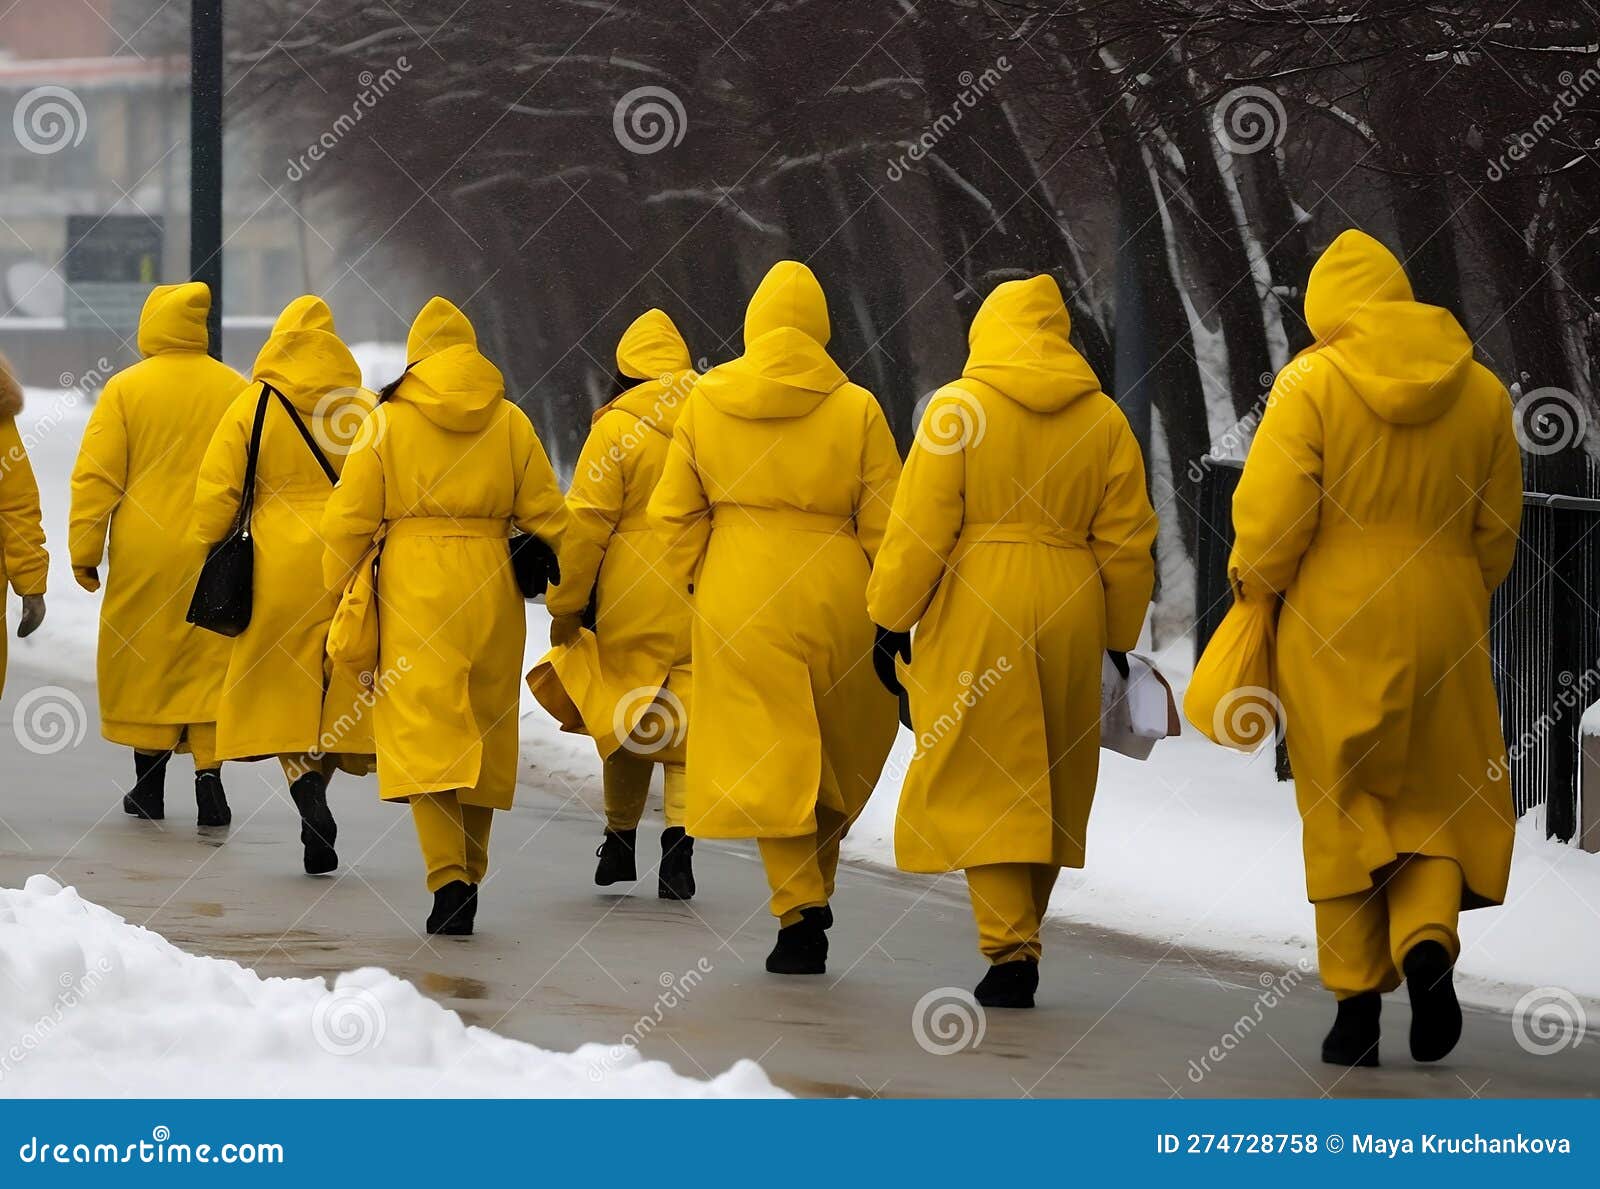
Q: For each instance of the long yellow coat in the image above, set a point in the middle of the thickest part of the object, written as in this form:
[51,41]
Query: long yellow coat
[1020,548]
[1381,499]
[448,466]
[134,481]
[24,564]
[775,496]
[609,683]
[278,694]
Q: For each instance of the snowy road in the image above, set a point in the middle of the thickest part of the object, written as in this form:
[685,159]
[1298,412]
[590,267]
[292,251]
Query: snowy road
[559,964]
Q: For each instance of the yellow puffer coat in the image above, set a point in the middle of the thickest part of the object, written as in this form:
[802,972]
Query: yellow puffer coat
[1381,499]
[24,564]
[775,496]
[1020,547]
[134,482]
[608,683]
[449,466]
[278,694]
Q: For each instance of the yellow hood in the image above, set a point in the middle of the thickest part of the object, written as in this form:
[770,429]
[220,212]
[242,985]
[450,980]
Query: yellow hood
[1020,345]
[652,350]
[10,390]
[449,380]
[1406,360]
[305,360]
[440,326]
[174,318]
[785,370]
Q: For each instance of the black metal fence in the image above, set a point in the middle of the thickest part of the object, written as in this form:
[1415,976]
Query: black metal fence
[1544,633]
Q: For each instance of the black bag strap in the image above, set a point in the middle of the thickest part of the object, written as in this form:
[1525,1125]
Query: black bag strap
[316,450]
[247,497]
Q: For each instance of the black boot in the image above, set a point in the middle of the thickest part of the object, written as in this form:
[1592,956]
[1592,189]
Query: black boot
[802,947]
[453,906]
[148,798]
[616,858]
[472,906]
[676,873]
[210,799]
[1353,1039]
[1435,1013]
[1009,984]
[317,827]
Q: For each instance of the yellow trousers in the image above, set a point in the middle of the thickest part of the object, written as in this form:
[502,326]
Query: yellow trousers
[1008,900]
[625,780]
[199,738]
[801,871]
[1363,938]
[454,838]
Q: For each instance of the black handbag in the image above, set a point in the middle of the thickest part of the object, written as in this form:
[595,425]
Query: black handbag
[224,595]
[534,564]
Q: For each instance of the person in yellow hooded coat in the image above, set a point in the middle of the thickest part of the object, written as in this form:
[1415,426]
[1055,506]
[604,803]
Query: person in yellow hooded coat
[774,499]
[1381,501]
[133,488]
[443,472]
[280,697]
[614,682]
[1020,549]
[24,564]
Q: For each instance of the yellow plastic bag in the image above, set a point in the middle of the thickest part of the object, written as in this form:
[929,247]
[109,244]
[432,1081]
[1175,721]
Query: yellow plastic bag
[1232,697]
[353,634]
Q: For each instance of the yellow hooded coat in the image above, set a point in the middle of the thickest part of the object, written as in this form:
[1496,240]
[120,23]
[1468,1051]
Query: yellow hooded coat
[23,560]
[1381,499]
[446,466]
[608,683]
[1020,548]
[775,496]
[134,483]
[278,696]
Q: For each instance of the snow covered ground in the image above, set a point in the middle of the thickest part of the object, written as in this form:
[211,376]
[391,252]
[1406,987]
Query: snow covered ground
[1198,848]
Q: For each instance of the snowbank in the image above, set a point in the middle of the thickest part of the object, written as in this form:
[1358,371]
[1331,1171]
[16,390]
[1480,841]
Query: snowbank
[94,1006]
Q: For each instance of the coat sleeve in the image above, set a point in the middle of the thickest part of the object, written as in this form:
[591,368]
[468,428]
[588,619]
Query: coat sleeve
[99,479]
[537,506]
[1276,505]
[27,565]
[220,483]
[880,472]
[594,503]
[924,525]
[1122,534]
[1499,513]
[679,507]
[354,512]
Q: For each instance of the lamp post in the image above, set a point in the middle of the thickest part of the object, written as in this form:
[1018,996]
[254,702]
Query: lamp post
[205,157]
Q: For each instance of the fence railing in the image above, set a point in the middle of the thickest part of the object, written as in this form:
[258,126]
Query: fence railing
[1544,633]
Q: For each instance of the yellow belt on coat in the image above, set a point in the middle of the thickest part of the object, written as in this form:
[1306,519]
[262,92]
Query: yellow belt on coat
[1001,533]
[448,526]
[783,519]
[1345,535]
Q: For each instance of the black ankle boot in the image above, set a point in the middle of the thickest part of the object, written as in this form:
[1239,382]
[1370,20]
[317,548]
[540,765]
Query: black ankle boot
[616,858]
[148,798]
[1435,1012]
[210,799]
[1353,1039]
[676,873]
[472,907]
[802,947]
[1009,984]
[317,827]
[453,906]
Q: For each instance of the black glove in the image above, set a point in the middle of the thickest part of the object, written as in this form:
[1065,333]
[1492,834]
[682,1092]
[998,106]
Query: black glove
[887,645]
[1120,661]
